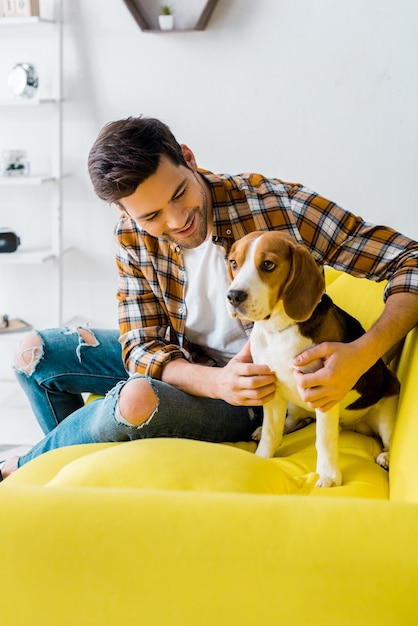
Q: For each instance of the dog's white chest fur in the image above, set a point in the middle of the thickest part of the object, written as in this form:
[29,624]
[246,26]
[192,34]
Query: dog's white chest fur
[277,349]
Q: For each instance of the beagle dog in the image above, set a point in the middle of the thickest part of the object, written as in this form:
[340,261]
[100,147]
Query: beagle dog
[276,283]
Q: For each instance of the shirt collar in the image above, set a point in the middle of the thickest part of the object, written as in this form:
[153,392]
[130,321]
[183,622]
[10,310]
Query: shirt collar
[222,227]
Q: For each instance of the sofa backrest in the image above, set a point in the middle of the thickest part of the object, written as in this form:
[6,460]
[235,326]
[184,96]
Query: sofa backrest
[360,297]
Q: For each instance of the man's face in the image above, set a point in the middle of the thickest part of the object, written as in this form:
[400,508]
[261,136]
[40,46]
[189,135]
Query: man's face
[172,204]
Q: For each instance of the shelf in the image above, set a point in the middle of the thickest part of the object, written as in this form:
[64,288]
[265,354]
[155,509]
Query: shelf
[22,21]
[18,181]
[24,256]
[138,10]
[27,102]
[173,30]
[31,256]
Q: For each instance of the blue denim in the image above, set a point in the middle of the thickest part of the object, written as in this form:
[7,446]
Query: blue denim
[69,367]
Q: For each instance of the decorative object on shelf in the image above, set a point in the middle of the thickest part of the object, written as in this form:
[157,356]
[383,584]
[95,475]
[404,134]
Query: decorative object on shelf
[23,80]
[166,18]
[9,241]
[20,8]
[14,163]
[8,325]
[145,14]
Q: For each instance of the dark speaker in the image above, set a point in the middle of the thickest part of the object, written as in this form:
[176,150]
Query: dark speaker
[9,241]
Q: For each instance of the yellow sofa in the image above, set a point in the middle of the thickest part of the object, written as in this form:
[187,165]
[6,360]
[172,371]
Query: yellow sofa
[176,533]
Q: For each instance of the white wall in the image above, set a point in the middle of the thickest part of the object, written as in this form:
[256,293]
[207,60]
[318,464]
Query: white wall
[320,92]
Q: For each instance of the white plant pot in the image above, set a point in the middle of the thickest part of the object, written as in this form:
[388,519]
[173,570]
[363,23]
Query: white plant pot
[166,22]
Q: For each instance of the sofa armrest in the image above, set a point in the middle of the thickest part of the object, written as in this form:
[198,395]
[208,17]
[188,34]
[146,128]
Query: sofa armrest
[403,475]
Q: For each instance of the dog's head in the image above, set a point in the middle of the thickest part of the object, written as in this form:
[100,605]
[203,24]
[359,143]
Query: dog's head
[269,272]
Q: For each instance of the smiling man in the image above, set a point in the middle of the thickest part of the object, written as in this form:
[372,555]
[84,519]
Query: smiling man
[182,215]
[184,369]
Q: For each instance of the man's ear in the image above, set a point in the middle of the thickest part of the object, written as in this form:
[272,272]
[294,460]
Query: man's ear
[189,157]
[119,206]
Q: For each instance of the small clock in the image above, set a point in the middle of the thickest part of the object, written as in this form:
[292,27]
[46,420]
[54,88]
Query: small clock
[23,80]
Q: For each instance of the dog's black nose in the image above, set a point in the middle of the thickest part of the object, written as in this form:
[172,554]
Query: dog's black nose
[236,297]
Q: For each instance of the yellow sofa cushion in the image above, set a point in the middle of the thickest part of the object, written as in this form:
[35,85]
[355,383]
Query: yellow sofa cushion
[186,465]
[178,464]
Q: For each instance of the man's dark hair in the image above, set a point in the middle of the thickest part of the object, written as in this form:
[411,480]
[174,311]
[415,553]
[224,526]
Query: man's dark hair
[127,152]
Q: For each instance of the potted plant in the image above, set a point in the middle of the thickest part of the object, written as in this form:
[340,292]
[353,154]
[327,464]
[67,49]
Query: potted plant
[166,18]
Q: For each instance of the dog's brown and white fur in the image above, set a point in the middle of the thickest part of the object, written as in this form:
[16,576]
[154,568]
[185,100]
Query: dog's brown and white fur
[276,283]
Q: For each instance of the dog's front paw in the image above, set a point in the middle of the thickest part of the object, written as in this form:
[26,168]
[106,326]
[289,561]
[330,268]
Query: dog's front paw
[256,436]
[383,460]
[325,481]
[265,451]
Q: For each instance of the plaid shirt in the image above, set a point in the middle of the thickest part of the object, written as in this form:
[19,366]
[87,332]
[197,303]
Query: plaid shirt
[152,284]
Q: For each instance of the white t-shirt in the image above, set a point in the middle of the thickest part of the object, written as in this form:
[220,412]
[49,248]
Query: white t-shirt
[208,323]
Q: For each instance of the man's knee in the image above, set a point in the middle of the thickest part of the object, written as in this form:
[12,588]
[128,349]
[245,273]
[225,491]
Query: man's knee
[87,336]
[28,353]
[137,402]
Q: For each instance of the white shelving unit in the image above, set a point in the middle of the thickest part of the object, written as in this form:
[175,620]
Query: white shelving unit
[19,21]
[37,30]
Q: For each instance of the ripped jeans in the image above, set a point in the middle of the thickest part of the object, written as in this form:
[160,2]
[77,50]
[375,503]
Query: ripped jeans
[65,366]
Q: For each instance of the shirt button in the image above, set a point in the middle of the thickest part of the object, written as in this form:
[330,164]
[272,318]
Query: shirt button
[181,310]
[229,231]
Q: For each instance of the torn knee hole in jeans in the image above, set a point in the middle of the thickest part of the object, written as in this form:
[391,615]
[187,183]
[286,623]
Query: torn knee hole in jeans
[86,339]
[122,420]
[28,354]
[31,349]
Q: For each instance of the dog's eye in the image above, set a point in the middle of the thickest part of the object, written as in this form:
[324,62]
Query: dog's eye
[233,264]
[268,266]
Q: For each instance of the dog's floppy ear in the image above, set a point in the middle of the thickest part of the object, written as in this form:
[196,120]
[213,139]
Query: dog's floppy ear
[305,285]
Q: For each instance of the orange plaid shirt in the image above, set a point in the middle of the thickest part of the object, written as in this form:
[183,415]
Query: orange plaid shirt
[152,276]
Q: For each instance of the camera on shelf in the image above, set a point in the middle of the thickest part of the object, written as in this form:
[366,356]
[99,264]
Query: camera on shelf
[9,241]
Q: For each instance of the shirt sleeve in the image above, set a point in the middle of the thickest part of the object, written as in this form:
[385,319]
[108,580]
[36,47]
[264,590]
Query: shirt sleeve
[147,338]
[346,242]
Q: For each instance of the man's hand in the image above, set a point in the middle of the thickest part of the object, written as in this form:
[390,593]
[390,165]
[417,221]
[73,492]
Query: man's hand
[341,369]
[242,382]
[344,363]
